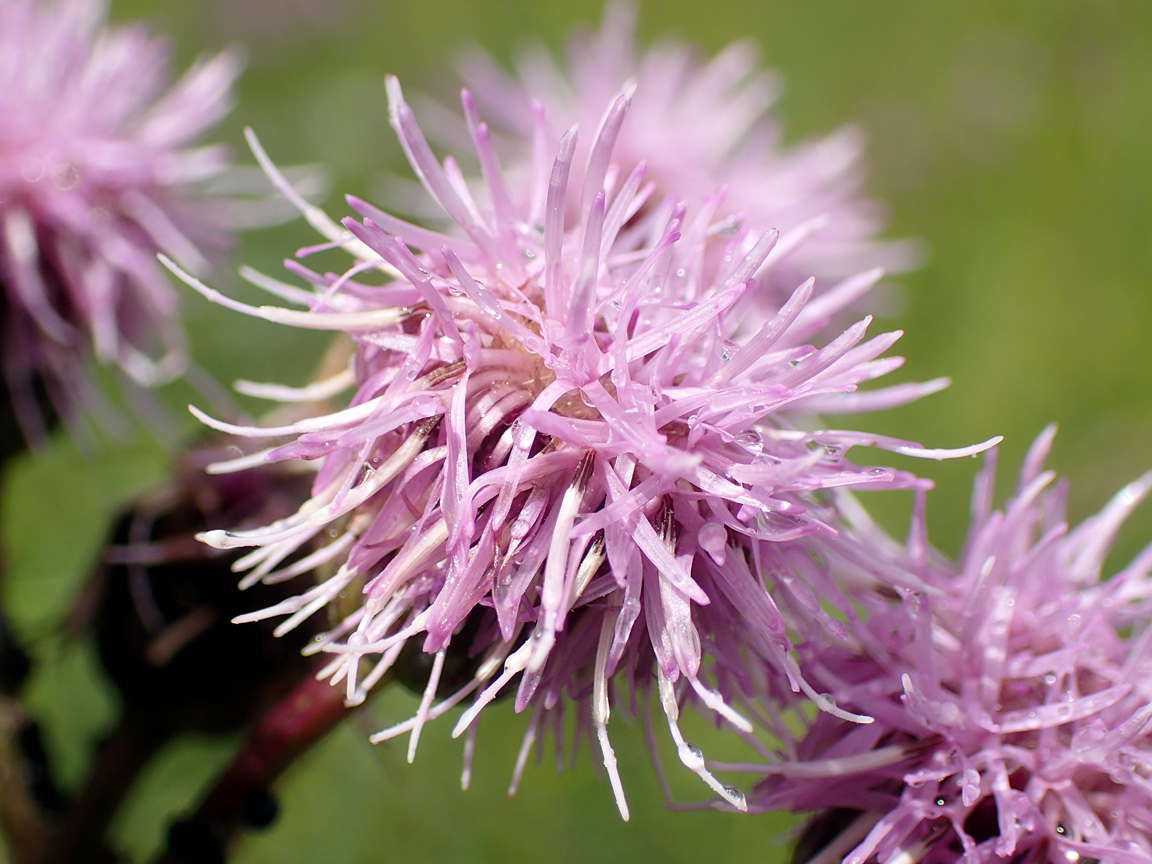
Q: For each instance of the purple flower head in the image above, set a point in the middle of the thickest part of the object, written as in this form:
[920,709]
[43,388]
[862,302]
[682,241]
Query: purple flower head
[700,124]
[96,175]
[1012,699]
[570,457]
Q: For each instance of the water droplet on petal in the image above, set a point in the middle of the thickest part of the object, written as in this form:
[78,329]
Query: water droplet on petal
[735,796]
[65,176]
[752,441]
[691,756]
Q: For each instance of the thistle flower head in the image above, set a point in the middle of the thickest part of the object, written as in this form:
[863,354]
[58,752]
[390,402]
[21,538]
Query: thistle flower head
[1012,699]
[699,124]
[561,459]
[96,175]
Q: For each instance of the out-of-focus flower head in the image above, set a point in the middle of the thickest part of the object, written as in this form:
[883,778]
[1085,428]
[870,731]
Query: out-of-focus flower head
[1012,699]
[560,460]
[701,124]
[97,173]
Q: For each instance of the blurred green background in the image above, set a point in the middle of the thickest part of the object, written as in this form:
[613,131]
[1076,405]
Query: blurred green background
[1013,140]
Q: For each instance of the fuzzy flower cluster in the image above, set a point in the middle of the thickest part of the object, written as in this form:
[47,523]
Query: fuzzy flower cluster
[700,124]
[562,462]
[96,175]
[1012,699]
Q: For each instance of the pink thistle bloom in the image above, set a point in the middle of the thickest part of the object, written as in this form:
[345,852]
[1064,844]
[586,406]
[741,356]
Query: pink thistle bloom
[1012,699]
[97,174]
[700,125]
[561,460]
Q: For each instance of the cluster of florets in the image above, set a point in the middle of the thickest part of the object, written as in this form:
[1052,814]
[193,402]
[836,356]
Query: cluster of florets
[575,452]
[582,454]
[96,176]
[1011,699]
[698,123]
